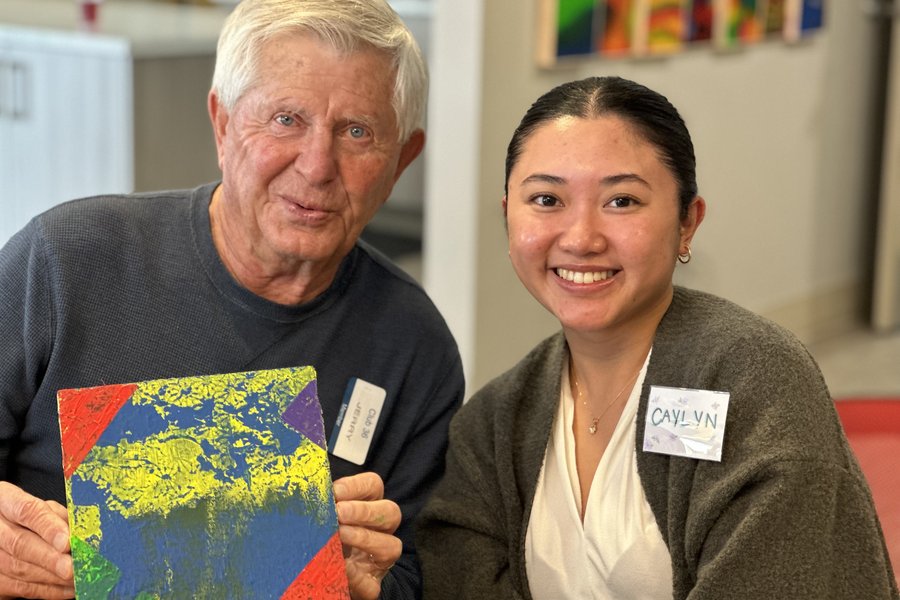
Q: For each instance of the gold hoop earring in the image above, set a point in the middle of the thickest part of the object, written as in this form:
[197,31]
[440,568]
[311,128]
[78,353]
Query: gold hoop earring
[685,258]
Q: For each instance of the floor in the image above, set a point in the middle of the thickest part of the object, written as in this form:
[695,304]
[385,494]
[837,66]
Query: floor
[861,364]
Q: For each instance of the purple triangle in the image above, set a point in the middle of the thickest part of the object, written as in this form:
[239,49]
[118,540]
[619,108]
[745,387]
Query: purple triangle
[305,415]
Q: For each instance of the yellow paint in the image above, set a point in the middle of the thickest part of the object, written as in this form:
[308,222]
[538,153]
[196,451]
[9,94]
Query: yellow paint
[87,525]
[171,469]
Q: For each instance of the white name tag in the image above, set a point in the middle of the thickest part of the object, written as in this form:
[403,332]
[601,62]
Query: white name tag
[355,425]
[685,422]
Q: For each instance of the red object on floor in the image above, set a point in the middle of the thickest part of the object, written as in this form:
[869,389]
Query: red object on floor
[872,426]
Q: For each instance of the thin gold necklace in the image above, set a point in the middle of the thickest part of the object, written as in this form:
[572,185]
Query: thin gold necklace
[592,429]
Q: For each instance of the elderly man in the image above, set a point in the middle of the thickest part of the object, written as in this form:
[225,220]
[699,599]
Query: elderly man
[316,106]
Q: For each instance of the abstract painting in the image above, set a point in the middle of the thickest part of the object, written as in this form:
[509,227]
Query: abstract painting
[618,28]
[573,29]
[666,20]
[736,22]
[201,487]
[569,28]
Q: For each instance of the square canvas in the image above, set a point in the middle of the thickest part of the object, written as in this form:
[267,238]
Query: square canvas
[215,486]
[736,23]
[568,28]
[666,20]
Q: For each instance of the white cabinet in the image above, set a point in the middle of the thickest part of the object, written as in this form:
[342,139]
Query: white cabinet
[64,124]
[119,109]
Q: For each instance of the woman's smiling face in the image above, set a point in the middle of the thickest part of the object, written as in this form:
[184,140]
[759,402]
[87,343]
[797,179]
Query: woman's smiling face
[593,221]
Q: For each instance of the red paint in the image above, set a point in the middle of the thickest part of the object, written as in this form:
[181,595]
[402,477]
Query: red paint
[84,415]
[323,578]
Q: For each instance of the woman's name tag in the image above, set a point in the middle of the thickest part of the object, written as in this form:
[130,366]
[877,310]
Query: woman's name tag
[686,422]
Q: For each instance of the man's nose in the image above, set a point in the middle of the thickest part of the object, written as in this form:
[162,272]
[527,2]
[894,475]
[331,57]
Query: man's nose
[316,159]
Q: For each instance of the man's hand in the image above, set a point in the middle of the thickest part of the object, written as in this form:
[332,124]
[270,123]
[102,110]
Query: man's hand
[34,547]
[367,523]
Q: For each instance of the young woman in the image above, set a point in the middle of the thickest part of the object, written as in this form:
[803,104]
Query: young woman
[666,443]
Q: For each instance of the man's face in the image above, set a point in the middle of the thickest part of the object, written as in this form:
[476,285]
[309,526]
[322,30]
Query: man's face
[308,154]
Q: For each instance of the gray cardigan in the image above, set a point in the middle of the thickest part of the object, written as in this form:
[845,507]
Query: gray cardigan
[785,514]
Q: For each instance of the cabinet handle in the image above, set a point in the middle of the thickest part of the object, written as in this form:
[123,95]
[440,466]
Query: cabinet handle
[5,87]
[20,91]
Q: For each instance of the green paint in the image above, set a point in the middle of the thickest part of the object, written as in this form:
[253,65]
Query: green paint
[95,577]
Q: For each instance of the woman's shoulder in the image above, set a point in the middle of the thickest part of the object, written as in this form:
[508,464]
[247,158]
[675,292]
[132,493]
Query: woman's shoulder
[773,382]
[712,323]
[529,383]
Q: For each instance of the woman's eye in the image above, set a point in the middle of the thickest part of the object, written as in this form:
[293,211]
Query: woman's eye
[545,200]
[621,202]
[356,132]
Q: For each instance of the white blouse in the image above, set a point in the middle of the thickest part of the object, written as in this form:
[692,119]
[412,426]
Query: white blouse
[619,552]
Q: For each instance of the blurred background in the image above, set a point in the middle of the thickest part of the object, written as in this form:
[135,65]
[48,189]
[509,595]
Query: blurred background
[797,146]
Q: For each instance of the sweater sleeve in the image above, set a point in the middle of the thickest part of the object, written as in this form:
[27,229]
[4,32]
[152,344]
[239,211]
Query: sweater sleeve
[463,536]
[25,333]
[412,479]
[787,513]
[797,529]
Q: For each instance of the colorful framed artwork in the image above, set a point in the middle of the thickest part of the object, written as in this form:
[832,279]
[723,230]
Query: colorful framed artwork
[666,25]
[802,17]
[201,487]
[699,19]
[569,28]
[736,23]
[572,29]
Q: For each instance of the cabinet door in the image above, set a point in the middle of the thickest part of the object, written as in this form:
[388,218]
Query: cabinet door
[7,171]
[68,131]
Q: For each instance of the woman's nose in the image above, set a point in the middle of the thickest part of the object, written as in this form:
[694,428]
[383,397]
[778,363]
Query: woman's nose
[584,232]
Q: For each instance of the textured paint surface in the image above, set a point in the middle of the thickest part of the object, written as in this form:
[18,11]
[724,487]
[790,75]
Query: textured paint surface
[201,487]
[305,415]
[318,579]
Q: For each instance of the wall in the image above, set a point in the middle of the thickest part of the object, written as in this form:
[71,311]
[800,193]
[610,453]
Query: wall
[787,151]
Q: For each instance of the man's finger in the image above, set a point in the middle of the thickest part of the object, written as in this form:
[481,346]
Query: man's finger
[362,486]
[27,547]
[59,509]
[382,549]
[21,508]
[22,589]
[24,571]
[380,515]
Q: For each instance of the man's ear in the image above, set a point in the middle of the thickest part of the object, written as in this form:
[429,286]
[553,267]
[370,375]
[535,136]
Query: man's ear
[410,150]
[218,115]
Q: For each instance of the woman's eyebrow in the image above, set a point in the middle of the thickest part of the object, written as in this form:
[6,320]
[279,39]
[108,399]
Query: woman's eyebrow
[624,178]
[544,178]
[609,180]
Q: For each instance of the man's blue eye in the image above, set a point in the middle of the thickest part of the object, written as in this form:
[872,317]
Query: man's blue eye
[357,132]
[285,119]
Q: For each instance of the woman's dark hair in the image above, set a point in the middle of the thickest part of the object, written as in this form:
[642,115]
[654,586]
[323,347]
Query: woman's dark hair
[650,112]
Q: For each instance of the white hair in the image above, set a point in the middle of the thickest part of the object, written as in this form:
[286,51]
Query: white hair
[347,25]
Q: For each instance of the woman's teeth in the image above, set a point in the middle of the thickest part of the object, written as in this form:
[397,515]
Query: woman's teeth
[583,276]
